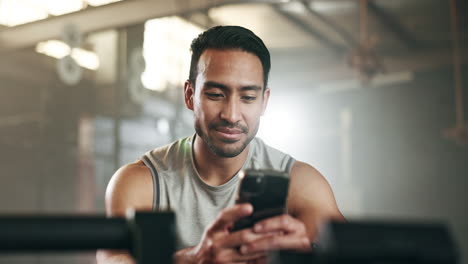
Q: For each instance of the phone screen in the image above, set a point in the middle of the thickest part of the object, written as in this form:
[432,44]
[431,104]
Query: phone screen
[267,191]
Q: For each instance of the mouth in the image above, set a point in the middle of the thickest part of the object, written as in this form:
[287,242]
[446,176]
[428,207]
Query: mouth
[231,134]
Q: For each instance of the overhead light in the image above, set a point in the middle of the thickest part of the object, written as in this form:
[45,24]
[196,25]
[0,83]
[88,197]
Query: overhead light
[58,49]
[166,52]
[60,7]
[17,12]
[86,59]
[53,48]
[101,2]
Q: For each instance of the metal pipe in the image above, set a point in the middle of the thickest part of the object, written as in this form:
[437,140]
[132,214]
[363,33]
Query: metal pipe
[456,56]
[363,23]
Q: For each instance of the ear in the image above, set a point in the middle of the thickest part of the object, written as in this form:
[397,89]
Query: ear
[266,96]
[188,94]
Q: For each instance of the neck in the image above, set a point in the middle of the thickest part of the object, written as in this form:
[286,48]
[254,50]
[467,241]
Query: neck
[215,170]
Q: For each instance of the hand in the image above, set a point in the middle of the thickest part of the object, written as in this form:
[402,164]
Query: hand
[219,245]
[290,235]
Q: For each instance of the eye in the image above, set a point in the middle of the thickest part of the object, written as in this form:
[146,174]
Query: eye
[214,95]
[249,98]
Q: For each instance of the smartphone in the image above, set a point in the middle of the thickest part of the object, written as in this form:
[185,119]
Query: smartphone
[266,190]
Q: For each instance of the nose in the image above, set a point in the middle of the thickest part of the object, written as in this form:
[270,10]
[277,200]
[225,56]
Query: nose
[231,111]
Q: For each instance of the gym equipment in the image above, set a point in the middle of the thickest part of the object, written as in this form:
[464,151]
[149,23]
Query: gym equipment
[148,236]
[368,242]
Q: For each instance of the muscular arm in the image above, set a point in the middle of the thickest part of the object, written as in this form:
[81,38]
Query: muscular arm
[130,187]
[311,199]
[310,203]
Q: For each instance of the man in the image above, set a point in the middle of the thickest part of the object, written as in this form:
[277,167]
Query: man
[197,177]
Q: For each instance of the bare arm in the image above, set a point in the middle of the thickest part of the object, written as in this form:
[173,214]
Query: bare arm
[130,187]
[310,204]
[311,198]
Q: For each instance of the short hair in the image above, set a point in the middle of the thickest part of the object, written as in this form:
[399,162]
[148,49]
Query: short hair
[229,37]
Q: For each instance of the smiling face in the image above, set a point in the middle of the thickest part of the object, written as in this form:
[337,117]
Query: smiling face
[228,100]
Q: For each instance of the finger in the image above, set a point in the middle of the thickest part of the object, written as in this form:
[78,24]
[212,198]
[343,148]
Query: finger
[228,216]
[297,243]
[233,255]
[261,260]
[283,223]
[235,239]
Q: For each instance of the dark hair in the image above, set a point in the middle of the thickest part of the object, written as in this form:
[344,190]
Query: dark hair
[229,37]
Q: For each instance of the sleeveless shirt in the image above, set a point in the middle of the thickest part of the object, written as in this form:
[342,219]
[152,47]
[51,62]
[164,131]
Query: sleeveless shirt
[179,188]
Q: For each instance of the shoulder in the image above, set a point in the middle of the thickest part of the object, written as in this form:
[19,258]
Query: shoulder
[269,157]
[260,146]
[170,155]
[310,192]
[302,171]
[130,187]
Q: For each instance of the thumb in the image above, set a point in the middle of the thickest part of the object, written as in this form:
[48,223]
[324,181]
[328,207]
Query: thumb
[228,216]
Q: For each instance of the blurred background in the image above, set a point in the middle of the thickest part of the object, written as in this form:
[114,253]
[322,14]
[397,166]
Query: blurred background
[371,93]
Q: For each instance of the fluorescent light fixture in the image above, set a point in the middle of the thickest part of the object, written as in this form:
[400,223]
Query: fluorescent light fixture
[53,48]
[17,12]
[86,59]
[101,2]
[58,49]
[60,7]
[166,52]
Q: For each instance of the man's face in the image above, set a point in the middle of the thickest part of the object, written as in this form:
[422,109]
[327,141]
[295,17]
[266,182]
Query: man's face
[228,100]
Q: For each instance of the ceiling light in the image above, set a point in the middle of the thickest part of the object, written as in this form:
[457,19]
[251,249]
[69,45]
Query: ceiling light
[86,59]
[166,52]
[53,48]
[101,2]
[16,12]
[60,7]
[58,49]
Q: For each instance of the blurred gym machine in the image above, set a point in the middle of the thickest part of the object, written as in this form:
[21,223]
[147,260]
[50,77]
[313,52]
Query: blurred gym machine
[151,238]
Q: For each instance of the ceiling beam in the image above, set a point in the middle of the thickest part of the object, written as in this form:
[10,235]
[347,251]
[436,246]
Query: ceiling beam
[394,26]
[201,19]
[94,19]
[351,42]
[317,35]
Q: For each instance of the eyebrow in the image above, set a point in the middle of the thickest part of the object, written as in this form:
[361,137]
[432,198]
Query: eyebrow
[212,84]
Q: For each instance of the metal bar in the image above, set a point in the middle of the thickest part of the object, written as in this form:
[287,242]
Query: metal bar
[205,23]
[63,233]
[324,40]
[115,15]
[341,32]
[456,56]
[364,22]
[394,26]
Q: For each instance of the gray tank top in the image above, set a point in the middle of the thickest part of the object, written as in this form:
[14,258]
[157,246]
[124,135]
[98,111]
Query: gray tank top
[178,186]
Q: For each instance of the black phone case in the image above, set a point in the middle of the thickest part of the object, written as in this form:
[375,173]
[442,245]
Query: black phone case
[267,191]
